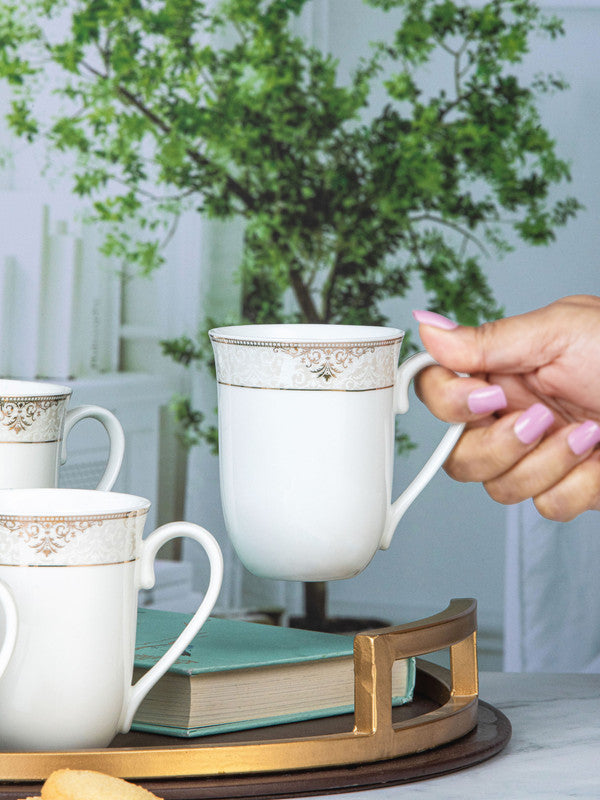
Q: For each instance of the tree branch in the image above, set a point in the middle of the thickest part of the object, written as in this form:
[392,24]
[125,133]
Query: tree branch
[330,286]
[454,226]
[128,97]
[415,249]
[458,73]
[303,295]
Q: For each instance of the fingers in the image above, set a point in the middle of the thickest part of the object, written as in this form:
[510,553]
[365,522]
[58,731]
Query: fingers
[540,469]
[493,448]
[466,399]
[515,460]
[516,445]
[577,492]
[521,343]
[455,399]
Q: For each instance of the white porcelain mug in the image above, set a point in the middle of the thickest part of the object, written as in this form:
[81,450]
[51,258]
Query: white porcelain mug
[34,425]
[74,559]
[306,445]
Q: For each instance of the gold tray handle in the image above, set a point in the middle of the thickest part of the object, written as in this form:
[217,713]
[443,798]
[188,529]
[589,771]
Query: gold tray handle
[374,655]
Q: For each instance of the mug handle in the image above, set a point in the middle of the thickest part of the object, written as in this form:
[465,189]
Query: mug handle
[146,579]
[11,626]
[115,434]
[406,372]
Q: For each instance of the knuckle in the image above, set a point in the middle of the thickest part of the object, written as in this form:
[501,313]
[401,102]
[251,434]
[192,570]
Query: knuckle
[456,470]
[435,387]
[578,492]
[484,336]
[498,457]
[459,465]
[503,492]
[551,507]
[480,455]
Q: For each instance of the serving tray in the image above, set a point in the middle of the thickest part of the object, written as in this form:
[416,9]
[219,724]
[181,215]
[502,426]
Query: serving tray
[347,751]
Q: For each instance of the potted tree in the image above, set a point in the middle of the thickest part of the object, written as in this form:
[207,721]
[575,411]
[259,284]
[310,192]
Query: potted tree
[223,108]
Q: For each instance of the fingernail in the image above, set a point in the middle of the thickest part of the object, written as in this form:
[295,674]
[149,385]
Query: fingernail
[485,400]
[435,320]
[584,437]
[533,422]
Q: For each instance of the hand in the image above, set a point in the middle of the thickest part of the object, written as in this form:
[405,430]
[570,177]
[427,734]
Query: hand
[532,403]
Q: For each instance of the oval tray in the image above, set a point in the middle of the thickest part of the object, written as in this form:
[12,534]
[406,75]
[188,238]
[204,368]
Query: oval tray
[445,713]
[488,738]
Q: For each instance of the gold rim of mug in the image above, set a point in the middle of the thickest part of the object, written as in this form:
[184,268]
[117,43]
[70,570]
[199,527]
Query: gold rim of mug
[35,441]
[24,398]
[59,518]
[71,566]
[303,389]
[312,344]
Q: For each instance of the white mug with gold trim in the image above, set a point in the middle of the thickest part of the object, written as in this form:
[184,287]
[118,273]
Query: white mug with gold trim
[74,559]
[34,425]
[306,445]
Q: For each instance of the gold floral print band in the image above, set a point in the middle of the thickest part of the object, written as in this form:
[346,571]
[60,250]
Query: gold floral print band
[331,366]
[70,540]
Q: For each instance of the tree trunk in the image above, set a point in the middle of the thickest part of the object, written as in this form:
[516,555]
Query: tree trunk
[315,604]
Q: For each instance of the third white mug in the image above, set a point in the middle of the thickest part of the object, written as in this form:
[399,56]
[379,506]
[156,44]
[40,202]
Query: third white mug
[34,426]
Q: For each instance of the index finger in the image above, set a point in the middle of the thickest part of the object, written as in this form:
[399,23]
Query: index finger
[521,343]
[453,398]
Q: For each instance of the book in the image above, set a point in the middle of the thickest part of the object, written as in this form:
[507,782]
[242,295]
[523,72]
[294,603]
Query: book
[237,674]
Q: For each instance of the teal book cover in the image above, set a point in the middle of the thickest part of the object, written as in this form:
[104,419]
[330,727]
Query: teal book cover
[238,674]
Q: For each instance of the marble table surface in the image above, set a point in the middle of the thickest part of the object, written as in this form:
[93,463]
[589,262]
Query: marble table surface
[554,751]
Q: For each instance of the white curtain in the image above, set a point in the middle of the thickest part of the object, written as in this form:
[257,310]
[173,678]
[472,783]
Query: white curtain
[552,603]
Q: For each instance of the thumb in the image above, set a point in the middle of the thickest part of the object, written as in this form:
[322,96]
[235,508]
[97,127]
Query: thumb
[513,344]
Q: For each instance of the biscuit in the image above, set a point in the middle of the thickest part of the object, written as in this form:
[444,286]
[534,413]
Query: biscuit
[74,784]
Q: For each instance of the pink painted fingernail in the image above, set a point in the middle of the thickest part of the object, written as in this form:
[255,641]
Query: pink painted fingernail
[485,400]
[584,437]
[533,422]
[435,320]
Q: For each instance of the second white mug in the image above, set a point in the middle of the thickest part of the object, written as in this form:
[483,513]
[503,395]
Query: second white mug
[34,425]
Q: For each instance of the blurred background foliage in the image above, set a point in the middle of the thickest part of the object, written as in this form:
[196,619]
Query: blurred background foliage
[221,107]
